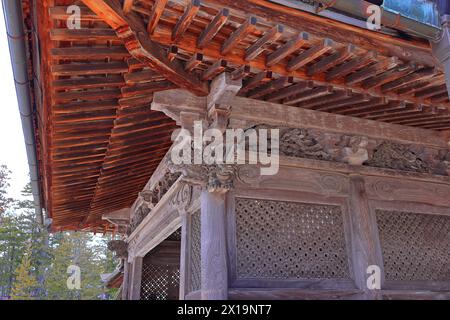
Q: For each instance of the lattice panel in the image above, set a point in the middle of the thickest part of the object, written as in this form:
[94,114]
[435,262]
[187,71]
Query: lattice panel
[159,282]
[195,262]
[176,236]
[288,240]
[415,246]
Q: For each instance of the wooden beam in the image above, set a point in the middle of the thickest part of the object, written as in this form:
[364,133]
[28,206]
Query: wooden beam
[128,5]
[262,112]
[259,46]
[214,70]
[332,98]
[194,62]
[346,102]
[287,49]
[270,87]
[391,106]
[332,60]
[290,91]
[186,19]
[213,27]
[172,53]
[241,72]
[431,92]
[240,34]
[155,15]
[371,71]
[314,93]
[257,80]
[418,51]
[142,76]
[420,74]
[79,69]
[351,66]
[83,35]
[310,55]
[142,48]
[236,57]
[388,76]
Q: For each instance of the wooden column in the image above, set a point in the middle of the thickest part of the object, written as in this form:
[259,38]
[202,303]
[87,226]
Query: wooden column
[126,276]
[184,255]
[135,280]
[214,272]
[365,240]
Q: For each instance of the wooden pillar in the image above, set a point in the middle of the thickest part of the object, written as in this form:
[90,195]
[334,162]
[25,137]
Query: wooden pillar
[126,277]
[366,250]
[136,277]
[214,273]
[184,255]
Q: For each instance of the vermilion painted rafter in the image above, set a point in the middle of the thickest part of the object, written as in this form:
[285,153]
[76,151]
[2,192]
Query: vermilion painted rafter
[134,34]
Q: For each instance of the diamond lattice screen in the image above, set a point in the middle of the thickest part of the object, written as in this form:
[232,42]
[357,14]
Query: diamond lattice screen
[415,246]
[195,272]
[287,240]
[159,282]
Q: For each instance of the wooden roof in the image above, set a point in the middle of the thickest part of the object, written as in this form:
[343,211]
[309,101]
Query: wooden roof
[99,141]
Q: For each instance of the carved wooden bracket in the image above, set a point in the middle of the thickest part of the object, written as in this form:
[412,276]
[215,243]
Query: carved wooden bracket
[119,247]
[148,199]
[214,178]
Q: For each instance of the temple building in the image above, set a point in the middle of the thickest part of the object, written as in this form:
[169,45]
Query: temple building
[357,91]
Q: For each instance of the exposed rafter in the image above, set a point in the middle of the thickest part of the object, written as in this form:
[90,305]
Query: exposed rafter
[134,34]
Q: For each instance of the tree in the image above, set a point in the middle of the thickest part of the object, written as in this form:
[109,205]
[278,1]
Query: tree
[4,185]
[25,284]
[33,263]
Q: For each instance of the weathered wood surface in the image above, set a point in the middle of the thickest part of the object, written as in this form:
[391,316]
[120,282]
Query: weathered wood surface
[131,30]
[260,112]
[365,244]
[184,255]
[136,278]
[214,269]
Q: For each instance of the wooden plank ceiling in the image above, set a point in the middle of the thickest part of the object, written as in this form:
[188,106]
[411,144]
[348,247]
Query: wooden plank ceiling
[104,142]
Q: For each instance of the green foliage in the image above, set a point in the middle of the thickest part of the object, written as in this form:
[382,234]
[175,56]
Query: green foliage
[4,184]
[33,263]
[25,284]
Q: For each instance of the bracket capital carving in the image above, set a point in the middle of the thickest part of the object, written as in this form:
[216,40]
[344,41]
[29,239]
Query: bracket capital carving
[119,247]
[214,178]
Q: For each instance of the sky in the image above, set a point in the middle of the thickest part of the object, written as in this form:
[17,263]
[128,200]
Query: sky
[12,145]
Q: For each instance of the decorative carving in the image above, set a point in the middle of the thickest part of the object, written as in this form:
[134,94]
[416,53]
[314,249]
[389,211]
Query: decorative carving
[354,150]
[183,198]
[248,174]
[119,247]
[301,143]
[215,178]
[442,163]
[360,150]
[150,198]
[399,157]
[392,189]
[140,214]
